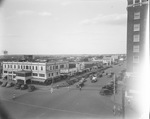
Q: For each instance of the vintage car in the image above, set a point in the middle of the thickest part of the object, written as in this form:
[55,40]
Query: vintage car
[106,92]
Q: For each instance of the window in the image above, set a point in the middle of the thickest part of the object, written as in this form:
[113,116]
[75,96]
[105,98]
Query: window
[10,66]
[61,66]
[28,74]
[36,68]
[5,65]
[5,71]
[10,72]
[41,68]
[18,66]
[49,75]
[42,75]
[50,67]
[52,74]
[136,38]
[136,27]
[144,0]
[136,48]
[21,66]
[135,59]
[137,1]
[14,76]
[32,67]
[26,67]
[53,67]
[57,73]
[34,74]
[137,15]
[14,66]
[56,66]
[130,2]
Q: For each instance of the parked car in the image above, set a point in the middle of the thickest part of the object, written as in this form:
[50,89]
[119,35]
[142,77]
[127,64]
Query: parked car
[31,88]
[109,87]
[106,92]
[80,84]
[24,86]
[65,84]
[9,84]
[17,86]
[4,84]
[1,82]
[94,79]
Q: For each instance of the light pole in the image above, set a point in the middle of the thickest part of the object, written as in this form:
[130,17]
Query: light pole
[114,108]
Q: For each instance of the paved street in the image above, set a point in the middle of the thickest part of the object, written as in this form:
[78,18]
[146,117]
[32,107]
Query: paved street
[65,102]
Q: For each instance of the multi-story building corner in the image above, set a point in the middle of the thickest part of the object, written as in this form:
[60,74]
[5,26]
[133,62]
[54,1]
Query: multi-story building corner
[137,23]
[39,71]
[137,16]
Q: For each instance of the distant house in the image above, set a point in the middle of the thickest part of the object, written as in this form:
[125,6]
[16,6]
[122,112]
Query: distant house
[1,69]
[108,60]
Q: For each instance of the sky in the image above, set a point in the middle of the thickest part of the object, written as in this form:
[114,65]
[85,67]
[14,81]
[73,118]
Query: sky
[63,26]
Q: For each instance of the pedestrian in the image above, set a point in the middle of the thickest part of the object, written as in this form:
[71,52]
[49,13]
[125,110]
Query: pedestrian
[119,110]
[68,88]
[51,89]
[114,110]
[80,88]
[128,100]
[14,96]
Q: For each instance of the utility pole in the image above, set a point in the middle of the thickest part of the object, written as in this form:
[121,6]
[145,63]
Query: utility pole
[114,108]
[123,99]
[123,102]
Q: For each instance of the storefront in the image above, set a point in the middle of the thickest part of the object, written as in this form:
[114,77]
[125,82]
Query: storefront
[23,77]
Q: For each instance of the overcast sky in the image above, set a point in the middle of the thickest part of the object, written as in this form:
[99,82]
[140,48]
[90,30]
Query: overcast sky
[63,26]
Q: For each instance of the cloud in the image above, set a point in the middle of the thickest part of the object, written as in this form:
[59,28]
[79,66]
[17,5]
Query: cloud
[25,12]
[31,12]
[65,3]
[114,19]
[45,14]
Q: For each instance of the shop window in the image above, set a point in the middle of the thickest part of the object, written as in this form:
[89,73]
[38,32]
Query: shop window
[42,75]
[5,71]
[34,74]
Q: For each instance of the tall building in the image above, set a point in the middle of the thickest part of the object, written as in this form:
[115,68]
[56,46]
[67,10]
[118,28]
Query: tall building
[137,11]
[137,32]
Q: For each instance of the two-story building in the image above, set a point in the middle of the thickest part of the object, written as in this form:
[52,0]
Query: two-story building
[39,71]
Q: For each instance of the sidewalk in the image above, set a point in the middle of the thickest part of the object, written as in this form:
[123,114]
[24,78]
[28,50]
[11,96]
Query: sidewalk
[130,108]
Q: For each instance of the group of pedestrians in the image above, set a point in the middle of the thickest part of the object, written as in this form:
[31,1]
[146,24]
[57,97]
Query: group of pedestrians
[117,111]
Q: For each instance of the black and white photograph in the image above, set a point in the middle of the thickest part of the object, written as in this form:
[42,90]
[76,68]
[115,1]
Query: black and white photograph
[74,59]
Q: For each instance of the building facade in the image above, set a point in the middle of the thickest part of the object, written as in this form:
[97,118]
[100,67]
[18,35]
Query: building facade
[136,33]
[40,70]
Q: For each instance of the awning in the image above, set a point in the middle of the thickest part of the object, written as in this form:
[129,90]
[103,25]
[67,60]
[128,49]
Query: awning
[37,79]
